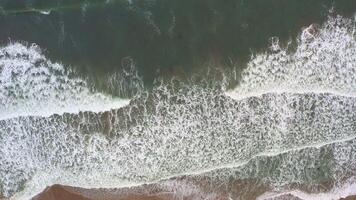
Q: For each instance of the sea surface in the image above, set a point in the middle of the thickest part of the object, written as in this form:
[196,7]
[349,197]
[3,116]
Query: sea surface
[206,99]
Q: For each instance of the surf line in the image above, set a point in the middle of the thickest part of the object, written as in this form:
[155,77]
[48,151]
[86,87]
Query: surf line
[236,164]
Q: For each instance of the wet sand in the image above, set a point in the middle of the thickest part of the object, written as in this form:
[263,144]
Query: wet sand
[59,192]
[349,198]
[166,191]
[182,188]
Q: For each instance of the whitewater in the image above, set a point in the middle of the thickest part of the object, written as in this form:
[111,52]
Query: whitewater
[31,85]
[295,108]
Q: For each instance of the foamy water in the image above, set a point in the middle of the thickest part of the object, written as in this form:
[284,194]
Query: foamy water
[343,191]
[291,120]
[324,62]
[30,84]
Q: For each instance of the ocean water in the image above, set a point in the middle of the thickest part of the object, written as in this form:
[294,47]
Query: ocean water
[197,97]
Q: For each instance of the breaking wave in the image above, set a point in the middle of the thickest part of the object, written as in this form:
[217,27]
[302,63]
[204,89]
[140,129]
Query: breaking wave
[323,62]
[30,84]
[291,120]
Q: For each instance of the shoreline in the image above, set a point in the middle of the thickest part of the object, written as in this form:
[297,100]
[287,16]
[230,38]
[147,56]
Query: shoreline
[196,188]
[60,192]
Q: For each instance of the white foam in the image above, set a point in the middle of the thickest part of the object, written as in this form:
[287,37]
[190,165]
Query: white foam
[324,61]
[32,85]
[45,12]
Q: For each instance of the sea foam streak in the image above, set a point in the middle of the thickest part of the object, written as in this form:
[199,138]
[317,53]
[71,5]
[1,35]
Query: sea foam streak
[32,85]
[280,138]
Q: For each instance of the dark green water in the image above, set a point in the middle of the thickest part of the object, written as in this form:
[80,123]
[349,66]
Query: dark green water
[162,37]
[289,124]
